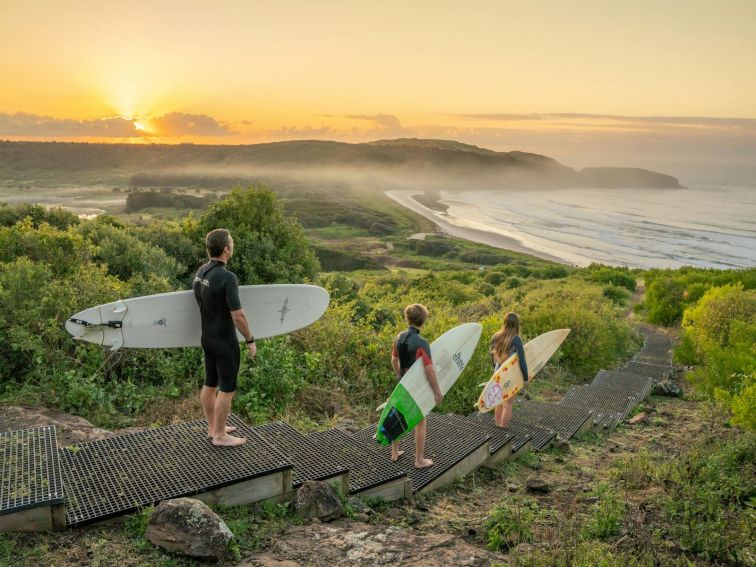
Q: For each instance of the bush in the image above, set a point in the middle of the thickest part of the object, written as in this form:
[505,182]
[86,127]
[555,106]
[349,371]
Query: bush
[608,512]
[620,277]
[269,247]
[511,524]
[719,334]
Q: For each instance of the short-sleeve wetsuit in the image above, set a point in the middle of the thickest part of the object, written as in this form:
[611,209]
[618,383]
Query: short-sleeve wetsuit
[217,293]
[515,347]
[408,347]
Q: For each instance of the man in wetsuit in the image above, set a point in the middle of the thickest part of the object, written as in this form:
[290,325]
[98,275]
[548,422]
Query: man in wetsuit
[217,293]
[410,346]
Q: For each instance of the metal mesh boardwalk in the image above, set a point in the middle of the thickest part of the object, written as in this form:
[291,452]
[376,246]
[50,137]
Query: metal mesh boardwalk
[656,371]
[310,463]
[444,445]
[626,382]
[30,474]
[368,468]
[119,475]
[499,436]
[609,404]
[566,421]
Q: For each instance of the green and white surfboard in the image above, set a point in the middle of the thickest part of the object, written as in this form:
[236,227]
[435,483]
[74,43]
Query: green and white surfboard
[413,398]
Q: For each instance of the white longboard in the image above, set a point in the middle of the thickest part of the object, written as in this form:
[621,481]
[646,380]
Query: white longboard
[508,379]
[170,320]
[413,399]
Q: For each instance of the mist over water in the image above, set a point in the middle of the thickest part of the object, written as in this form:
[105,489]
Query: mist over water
[703,225]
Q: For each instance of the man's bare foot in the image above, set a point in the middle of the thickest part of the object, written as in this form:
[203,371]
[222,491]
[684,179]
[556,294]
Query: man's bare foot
[228,441]
[423,463]
[229,429]
[395,455]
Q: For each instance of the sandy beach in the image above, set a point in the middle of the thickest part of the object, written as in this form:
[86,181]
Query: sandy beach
[404,198]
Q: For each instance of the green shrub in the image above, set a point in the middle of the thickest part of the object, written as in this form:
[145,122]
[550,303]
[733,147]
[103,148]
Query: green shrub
[619,277]
[708,503]
[618,295]
[607,513]
[511,523]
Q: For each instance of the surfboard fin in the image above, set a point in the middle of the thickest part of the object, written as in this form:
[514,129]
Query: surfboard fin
[380,407]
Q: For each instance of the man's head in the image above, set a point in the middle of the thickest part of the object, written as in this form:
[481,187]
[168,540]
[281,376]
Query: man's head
[416,315]
[219,244]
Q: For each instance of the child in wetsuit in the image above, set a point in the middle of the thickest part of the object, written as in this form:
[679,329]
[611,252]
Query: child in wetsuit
[504,344]
[408,347]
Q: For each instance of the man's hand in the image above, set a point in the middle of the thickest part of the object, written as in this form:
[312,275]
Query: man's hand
[439,397]
[252,349]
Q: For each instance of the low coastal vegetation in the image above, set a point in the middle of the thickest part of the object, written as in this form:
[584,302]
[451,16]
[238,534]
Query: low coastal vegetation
[687,503]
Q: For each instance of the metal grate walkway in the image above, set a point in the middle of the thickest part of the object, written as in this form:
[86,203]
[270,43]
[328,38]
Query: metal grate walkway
[367,466]
[310,462]
[122,474]
[499,436]
[656,371]
[444,445]
[566,421]
[626,382]
[30,474]
[608,404]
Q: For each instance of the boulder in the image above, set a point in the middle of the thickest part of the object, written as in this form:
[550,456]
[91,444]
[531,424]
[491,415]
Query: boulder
[538,486]
[358,545]
[188,526]
[347,426]
[667,388]
[640,418]
[318,499]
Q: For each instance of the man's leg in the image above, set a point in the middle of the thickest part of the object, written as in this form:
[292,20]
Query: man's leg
[222,409]
[420,460]
[207,397]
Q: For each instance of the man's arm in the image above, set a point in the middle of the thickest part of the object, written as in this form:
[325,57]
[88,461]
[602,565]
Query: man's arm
[430,373]
[241,323]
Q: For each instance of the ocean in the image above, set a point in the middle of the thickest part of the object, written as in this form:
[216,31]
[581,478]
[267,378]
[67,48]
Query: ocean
[702,225]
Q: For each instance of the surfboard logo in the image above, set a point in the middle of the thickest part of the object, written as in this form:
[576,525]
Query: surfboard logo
[284,310]
[457,357]
[162,322]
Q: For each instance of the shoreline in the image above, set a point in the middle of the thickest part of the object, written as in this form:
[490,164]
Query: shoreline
[406,199]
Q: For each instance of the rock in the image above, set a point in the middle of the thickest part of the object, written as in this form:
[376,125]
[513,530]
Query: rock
[317,499]
[361,545]
[667,388]
[358,505]
[70,429]
[538,486]
[360,517]
[333,408]
[640,418]
[422,506]
[188,526]
[513,487]
[562,446]
[524,548]
[347,426]
[394,513]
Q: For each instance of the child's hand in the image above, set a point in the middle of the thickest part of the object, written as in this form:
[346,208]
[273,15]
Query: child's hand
[439,397]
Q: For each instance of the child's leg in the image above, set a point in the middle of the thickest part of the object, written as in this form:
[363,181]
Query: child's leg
[420,460]
[505,416]
[498,411]
[395,452]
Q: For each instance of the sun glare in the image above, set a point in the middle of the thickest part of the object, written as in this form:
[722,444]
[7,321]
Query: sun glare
[139,126]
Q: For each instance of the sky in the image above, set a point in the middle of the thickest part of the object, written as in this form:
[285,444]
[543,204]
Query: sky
[607,82]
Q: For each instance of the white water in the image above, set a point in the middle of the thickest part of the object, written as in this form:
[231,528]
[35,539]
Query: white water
[705,225]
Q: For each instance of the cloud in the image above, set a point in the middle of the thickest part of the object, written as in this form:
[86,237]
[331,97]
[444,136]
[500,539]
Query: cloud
[22,124]
[388,121]
[181,124]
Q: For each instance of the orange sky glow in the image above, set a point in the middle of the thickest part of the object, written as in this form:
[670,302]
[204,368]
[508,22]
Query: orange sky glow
[567,78]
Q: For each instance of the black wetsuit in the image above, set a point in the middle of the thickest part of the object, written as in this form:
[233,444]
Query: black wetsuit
[515,347]
[217,293]
[410,346]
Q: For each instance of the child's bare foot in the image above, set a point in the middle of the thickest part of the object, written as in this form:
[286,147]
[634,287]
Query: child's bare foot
[228,441]
[423,463]
[229,429]
[395,455]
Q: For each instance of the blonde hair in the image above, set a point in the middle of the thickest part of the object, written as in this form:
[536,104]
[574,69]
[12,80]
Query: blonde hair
[416,314]
[502,340]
